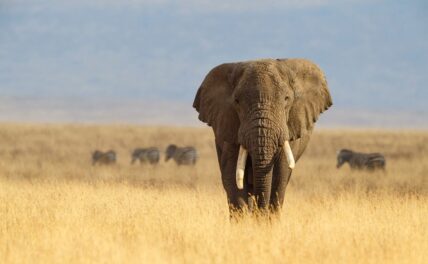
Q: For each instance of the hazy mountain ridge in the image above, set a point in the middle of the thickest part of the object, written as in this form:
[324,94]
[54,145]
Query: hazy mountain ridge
[176,113]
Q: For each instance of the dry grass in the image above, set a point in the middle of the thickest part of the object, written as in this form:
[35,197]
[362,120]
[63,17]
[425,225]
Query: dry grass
[56,208]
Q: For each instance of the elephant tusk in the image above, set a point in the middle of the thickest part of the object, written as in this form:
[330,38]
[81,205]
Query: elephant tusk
[289,155]
[240,167]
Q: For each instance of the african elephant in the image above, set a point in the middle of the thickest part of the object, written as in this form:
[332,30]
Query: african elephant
[181,155]
[99,157]
[360,161]
[146,155]
[262,113]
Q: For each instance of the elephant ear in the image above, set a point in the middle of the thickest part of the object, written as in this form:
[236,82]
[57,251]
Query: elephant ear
[311,96]
[214,102]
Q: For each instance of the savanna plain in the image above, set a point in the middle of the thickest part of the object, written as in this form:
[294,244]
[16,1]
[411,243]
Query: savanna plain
[55,207]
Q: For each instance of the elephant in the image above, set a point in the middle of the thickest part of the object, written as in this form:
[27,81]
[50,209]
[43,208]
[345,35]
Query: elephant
[262,113]
[181,155]
[146,155]
[361,161]
[105,158]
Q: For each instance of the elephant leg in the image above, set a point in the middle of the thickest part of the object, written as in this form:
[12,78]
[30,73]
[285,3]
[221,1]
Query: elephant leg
[280,178]
[237,199]
[282,173]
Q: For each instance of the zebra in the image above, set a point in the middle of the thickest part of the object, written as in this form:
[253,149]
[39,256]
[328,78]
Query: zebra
[181,155]
[99,157]
[146,155]
[360,161]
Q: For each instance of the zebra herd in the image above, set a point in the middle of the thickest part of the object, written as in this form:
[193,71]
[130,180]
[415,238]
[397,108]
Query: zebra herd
[188,156]
[151,155]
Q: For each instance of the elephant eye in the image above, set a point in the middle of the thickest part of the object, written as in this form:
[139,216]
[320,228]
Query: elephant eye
[236,101]
[287,98]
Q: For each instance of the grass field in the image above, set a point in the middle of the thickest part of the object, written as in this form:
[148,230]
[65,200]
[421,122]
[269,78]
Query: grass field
[55,207]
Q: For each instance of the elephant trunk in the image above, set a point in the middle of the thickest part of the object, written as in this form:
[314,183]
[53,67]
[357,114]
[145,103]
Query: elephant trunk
[263,149]
[262,160]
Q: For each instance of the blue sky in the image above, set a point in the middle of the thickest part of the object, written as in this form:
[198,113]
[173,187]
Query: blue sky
[374,53]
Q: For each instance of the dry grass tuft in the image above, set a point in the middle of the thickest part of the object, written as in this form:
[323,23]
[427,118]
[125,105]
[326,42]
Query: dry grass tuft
[56,208]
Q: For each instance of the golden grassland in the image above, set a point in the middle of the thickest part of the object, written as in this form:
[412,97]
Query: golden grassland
[55,207]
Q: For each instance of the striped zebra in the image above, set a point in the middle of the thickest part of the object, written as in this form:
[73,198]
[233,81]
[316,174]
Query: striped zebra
[181,155]
[105,158]
[146,155]
[360,161]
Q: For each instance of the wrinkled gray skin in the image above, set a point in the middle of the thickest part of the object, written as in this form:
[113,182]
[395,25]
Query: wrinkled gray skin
[361,161]
[146,155]
[104,158]
[181,155]
[260,104]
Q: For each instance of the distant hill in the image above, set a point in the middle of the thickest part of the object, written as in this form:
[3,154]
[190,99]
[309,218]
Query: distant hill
[175,113]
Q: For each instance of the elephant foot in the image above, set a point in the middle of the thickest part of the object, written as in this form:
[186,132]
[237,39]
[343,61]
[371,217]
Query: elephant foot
[236,215]
[238,211]
[262,215]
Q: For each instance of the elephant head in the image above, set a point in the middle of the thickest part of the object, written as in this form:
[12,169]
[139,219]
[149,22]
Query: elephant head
[261,105]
